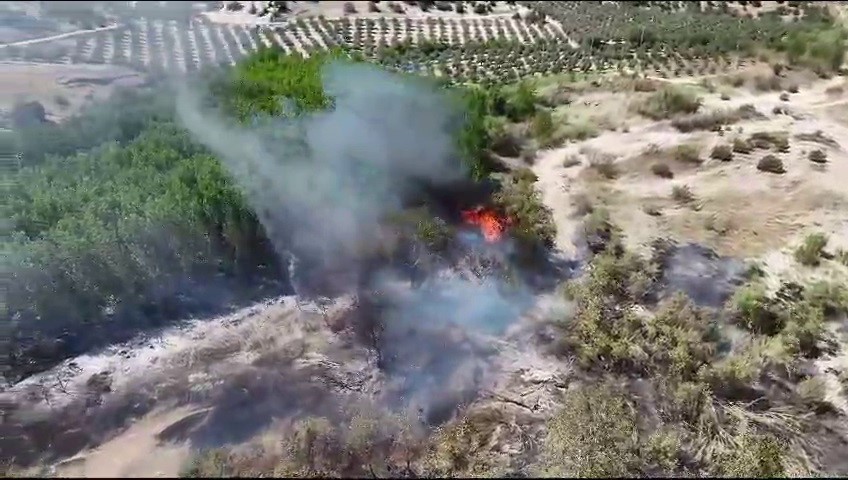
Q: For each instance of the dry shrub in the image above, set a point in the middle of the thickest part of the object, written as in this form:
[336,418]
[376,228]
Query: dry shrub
[742,146]
[719,223]
[688,153]
[645,85]
[811,251]
[835,90]
[577,130]
[368,445]
[668,102]
[571,161]
[723,153]
[766,83]
[713,121]
[818,156]
[682,194]
[652,209]
[771,164]
[604,164]
[582,205]
[818,137]
[662,170]
[766,140]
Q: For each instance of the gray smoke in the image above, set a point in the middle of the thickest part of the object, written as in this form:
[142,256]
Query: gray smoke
[322,182]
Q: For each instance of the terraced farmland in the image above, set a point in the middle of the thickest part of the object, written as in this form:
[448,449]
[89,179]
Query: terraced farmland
[666,39]
[179,46]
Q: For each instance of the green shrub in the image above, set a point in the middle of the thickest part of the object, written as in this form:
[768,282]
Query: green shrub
[533,220]
[810,252]
[755,456]
[543,128]
[753,310]
[593,435]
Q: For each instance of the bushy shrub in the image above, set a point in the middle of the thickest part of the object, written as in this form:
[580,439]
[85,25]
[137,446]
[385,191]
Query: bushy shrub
[817,156]
[668,102]
[810,252]
[688,154]
[662,170]
[771,164]
[723,153]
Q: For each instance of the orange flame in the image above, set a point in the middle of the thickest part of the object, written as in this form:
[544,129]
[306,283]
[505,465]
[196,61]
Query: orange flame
[492,225]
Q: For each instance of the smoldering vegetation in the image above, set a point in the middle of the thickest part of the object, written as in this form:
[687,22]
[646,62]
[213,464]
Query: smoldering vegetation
[323,183]
[153,218]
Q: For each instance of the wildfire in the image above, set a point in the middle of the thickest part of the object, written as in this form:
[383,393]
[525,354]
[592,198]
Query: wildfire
[491,224]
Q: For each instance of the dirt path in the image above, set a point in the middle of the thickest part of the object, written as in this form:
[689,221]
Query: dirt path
[139,452]
[60,36]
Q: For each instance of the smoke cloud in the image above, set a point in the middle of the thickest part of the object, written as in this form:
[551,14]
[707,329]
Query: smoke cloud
[322,182]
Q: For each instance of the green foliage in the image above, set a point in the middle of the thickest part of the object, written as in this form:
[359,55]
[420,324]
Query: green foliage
[594,435]
[543,128]
[91,231]
[474,138]
[755,456]
[117,207]
[822,47]
[676,341]
[795,316]
[753,310]
[521,103]
[810,252]
[127,113]
[533,223]
[423,227]
[270,79]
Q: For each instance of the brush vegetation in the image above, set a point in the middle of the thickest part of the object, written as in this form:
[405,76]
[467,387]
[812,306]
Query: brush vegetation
[121,222]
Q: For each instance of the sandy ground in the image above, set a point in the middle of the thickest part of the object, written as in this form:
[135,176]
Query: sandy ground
[129,455]
[299,354]
[738,211]
[62,89]
[765,211]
